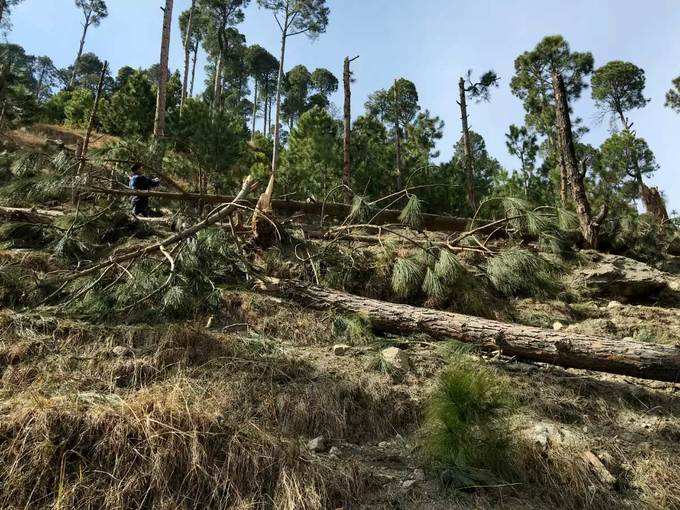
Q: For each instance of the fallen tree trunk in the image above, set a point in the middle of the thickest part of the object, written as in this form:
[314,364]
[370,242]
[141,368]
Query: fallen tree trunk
[47,216]
[289,207]
[637,359]
[217,215]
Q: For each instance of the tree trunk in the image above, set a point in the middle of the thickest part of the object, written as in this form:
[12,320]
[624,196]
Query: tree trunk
[252,135]
[90,125]
[265,106]
[467,148]
[2,9]
[264,203]
[346,163]
[336,210]
[80,53]
[193,71]
[637,359]
[654,203]
[38,88]
[187,55]
[590,225]
[397,130]
[217,85]
[159,124]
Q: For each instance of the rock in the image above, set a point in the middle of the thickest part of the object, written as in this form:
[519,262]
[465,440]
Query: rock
[408,484]
[546,435]
[341,349]
[612,305]
[558,326]
[318,444]
[121,351]
[334,452]
[383,444]
[418,475]
[621,277]
[396,358]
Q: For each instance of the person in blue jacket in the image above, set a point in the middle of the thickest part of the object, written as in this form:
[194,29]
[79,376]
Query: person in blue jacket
[140,182]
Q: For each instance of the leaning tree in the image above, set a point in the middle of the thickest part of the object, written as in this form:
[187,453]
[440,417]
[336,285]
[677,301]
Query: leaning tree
[533,84]
[94,11]
[293,17]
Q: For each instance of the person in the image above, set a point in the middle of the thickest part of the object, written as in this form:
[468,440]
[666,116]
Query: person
[140,182]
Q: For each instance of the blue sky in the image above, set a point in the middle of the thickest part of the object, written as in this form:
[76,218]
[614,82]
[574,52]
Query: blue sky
[431,42]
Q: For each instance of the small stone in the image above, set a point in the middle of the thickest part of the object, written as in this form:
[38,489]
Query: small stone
[341,349]
[558,326]
[614,304]
[334,452]
[408,484]
[121,351]
[383,444]
[396,358]
[318,444]
[418,475]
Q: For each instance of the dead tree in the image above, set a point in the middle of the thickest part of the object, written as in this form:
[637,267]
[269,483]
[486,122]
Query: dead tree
[589,223]
[479,90]
[346,165]
[637,359]
[159,124]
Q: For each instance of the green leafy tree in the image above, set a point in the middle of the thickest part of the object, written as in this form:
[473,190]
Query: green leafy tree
[130,111]
[673,96]
[487,169]
[618,87]
[54,109]
[293,17]
[94,12]
[262,65]
[324,83]
[296,91]
[398,107]
[625,156]
[77,109]
[122,76]
[193,25]
[216,142]
[524,145]
[532,83]
[312,165]
[6,11]
[372,154]
[46,77]
[89,72]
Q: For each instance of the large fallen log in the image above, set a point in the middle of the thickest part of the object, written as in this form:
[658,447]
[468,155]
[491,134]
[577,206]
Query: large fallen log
[290,207]
[637,359]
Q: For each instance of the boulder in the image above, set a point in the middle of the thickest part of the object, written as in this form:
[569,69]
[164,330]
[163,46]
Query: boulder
[341,349]
[620,277]
[318,444]
[395,358]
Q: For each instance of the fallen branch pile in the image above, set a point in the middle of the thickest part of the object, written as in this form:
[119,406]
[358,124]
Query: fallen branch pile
[615,356]
[290,207]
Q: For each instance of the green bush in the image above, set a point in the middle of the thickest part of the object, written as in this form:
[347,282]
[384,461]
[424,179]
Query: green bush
[466,431]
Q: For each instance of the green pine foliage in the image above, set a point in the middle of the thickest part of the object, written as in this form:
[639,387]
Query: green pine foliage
[412,213]
[520,272]
[466,433]
[407,277]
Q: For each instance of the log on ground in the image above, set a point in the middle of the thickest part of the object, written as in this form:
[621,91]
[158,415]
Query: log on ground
[603,354]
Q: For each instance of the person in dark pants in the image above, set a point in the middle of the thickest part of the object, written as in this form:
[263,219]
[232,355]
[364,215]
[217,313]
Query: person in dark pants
[139,182]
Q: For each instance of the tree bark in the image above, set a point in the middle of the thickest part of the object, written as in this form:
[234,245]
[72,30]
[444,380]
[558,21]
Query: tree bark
[252,135]
[159,124]
[193,71]
[217,85]
[637,359]
[397,130]
[187,55]
[467,147]
[347,132]
[590,225]
[86,25]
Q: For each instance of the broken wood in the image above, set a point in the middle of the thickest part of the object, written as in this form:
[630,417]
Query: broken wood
[214,217]
[610,355]
[336,210]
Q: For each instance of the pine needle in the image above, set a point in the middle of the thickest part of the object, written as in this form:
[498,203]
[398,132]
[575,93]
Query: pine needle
[407,276]
[412,213]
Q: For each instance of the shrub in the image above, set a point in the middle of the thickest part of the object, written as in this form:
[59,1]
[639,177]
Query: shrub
[466,431]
